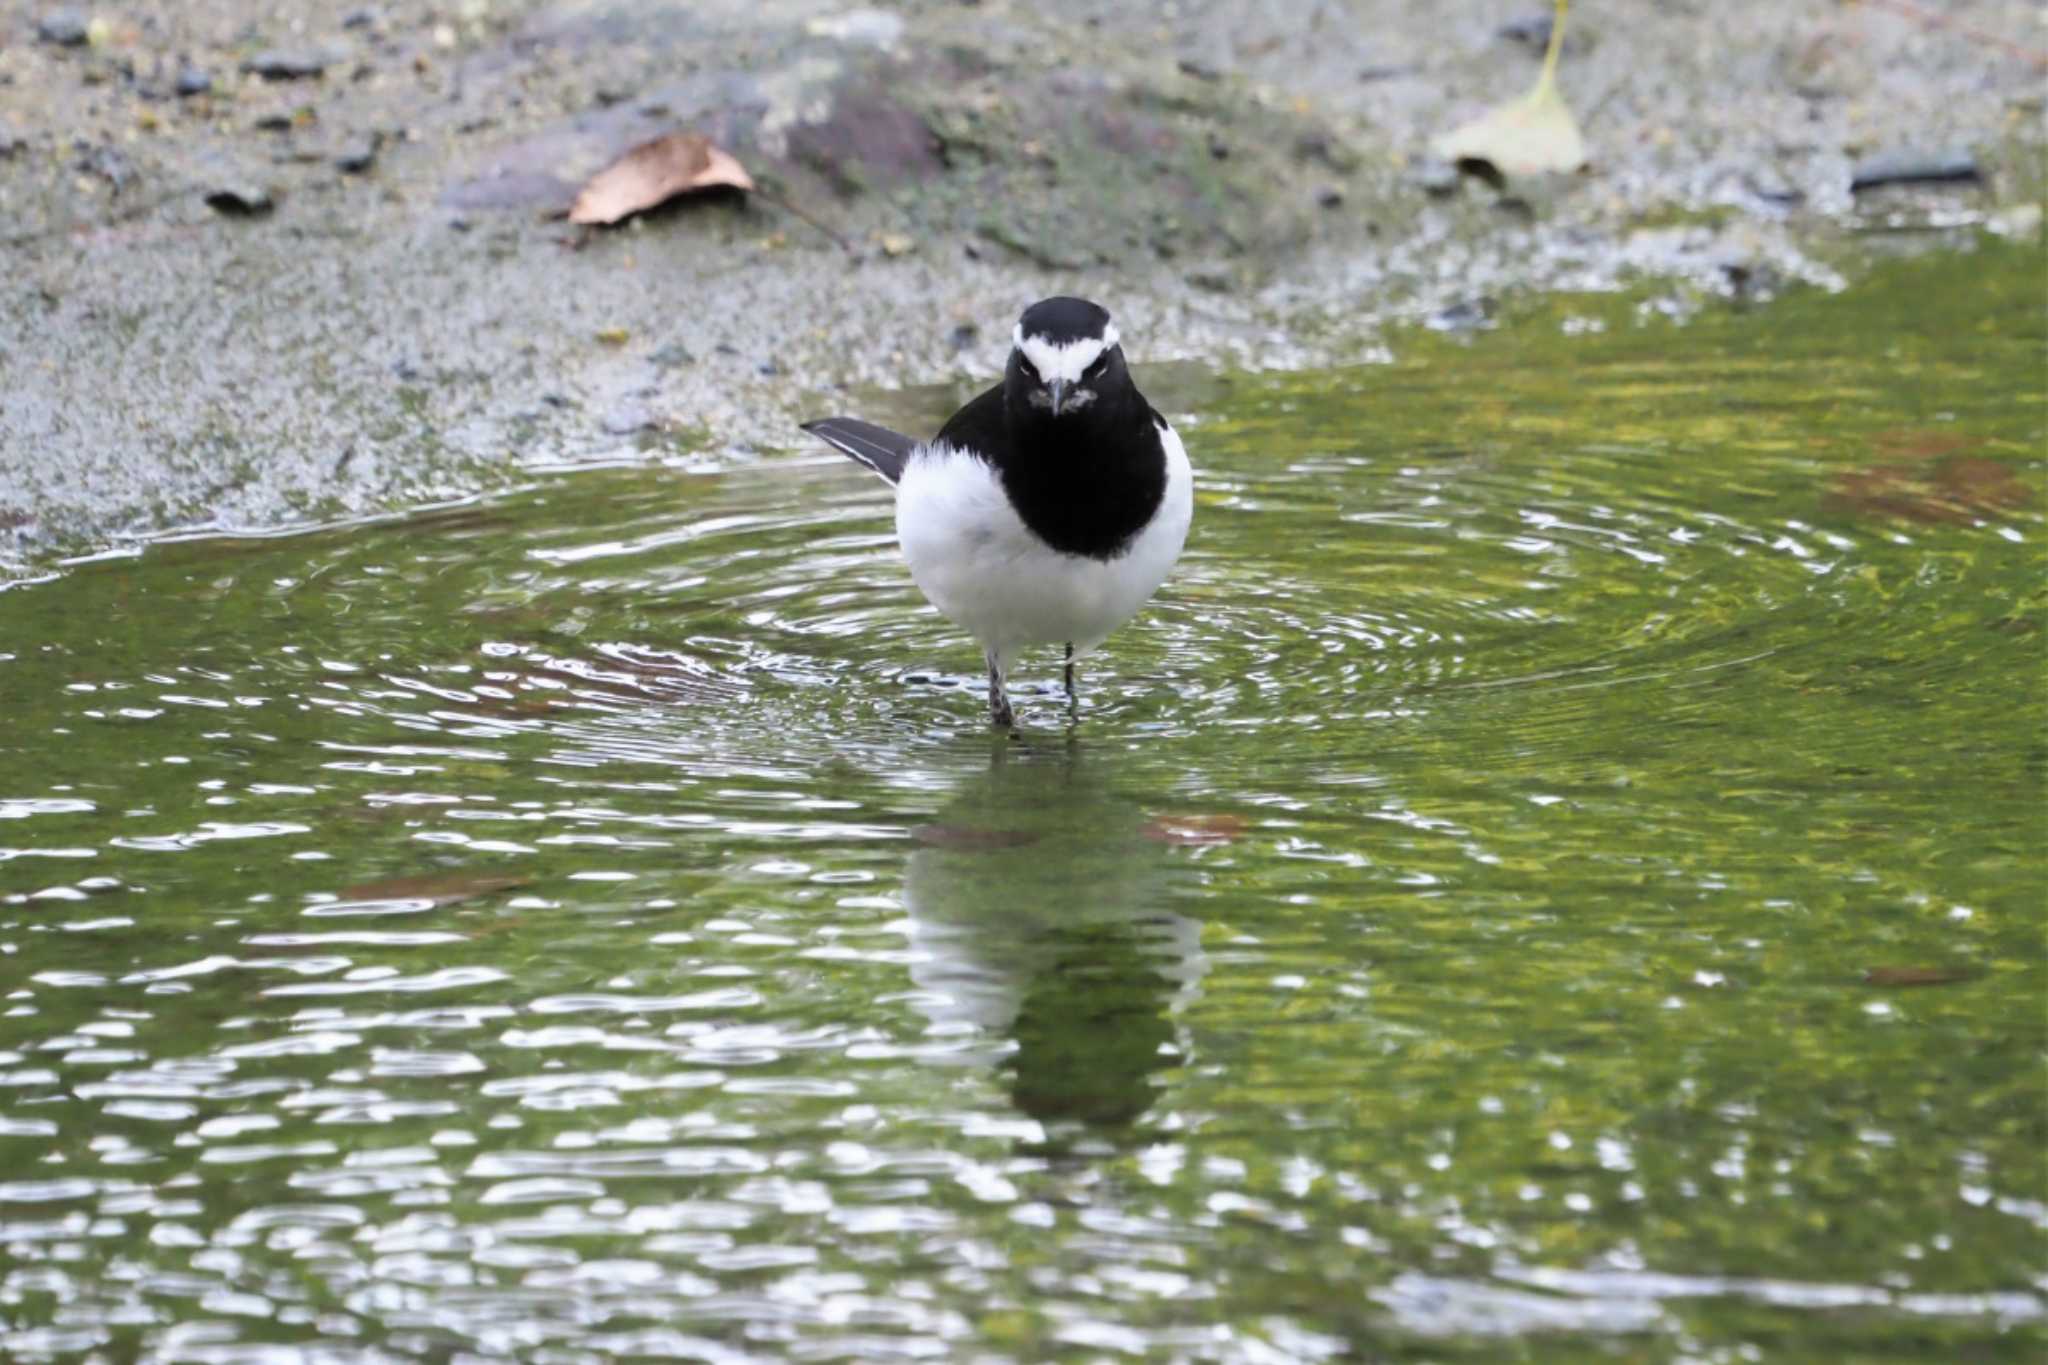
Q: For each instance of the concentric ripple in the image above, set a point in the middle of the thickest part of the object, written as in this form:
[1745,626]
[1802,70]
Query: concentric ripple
[1558,870]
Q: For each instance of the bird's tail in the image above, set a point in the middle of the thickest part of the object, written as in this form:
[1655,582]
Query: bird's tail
[879,448]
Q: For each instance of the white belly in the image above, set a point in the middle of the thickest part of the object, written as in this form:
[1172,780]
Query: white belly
[983,569]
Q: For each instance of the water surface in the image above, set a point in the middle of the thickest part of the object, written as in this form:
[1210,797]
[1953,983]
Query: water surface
[1557,874]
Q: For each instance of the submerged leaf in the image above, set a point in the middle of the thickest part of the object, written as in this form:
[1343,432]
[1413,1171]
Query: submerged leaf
[1954,491]
[655,172]
[1914,976]
[1922,443]
[1533,135]
[435,888]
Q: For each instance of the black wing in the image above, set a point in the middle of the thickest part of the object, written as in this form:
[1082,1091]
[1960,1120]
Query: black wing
[979,427]
[879,448]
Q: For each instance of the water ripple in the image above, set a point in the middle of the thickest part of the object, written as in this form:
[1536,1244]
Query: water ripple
[601,924]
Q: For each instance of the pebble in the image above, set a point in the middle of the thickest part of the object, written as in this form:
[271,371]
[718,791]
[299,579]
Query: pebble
[110,164]
[366,17]
[1466,315]
[1324,150]
[1531,30]
[1751,279]
[10,142]
[283,65]
[192,81]
[240,199]
[1435,177]
[873,28]
[2018,222]
[1913,168]
[358,155]
[627,418]
[64,27]
[1774,190]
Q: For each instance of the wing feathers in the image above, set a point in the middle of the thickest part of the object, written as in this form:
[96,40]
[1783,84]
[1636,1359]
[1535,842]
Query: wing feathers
[879,448]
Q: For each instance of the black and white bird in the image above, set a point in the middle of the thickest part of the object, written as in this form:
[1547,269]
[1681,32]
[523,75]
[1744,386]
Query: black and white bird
[1051,507]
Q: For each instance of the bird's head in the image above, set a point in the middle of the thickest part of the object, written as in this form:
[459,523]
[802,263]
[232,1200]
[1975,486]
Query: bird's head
[1064,360]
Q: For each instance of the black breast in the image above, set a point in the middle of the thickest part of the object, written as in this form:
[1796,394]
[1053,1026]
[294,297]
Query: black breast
[1085,483]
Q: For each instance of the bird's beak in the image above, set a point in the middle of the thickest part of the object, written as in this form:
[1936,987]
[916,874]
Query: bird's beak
[1059,388]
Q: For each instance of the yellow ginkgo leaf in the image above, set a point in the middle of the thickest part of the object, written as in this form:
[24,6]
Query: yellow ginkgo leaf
[1534,135]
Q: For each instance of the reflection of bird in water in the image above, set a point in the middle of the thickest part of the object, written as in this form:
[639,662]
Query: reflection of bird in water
[1039,915]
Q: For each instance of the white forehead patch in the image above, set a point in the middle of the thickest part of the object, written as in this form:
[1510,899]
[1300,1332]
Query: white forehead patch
[1065,361]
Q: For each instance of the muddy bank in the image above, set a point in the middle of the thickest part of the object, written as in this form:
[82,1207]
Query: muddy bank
[271,263]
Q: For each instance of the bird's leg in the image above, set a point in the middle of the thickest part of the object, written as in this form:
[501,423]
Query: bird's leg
[1072,699]
[999,713]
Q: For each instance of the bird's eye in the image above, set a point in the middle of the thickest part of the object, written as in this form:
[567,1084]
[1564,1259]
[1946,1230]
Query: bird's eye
[1030,370]
[1101,363]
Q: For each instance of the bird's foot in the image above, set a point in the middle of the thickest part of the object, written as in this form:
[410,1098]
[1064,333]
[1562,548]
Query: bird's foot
[999,713]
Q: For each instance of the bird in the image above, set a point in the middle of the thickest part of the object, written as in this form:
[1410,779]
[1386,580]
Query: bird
[1050,508]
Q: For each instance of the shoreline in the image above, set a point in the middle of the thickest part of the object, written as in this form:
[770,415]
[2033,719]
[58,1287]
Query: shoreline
[406,323]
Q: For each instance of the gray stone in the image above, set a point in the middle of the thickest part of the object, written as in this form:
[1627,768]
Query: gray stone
[1914,168]
[1435,177]
[358,155]
[65,27]
[109,163]
[1531,30]
[1466,315]
[1774,189]
[628,418]
[239,199]
[280,64]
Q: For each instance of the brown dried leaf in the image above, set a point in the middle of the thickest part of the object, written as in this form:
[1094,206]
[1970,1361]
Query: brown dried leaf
[654,173]
[436,888]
